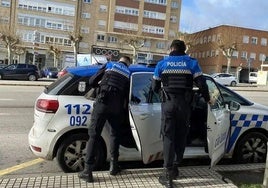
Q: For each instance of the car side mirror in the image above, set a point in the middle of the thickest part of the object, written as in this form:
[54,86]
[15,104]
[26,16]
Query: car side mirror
[233,106]
[82,86]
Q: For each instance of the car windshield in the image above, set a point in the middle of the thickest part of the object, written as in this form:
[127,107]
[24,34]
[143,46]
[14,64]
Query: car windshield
[230,95]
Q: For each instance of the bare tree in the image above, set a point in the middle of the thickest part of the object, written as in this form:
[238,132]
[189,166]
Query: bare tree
[56,51]
[10,41]
[75,39]
[135,42]
[226,41]
[18,50]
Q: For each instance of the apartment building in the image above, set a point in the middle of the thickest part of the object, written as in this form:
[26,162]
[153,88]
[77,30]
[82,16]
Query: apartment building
[142,29]
[250,53]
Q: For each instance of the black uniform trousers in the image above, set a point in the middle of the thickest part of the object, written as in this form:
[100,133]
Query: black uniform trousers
[108,109]
[176,111]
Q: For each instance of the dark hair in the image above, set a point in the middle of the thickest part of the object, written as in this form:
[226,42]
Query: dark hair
[178,45]
[126,57]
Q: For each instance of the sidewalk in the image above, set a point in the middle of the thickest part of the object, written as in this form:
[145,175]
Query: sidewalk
[193,176]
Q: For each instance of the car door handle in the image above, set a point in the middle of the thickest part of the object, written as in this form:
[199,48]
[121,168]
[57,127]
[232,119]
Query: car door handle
[144,116]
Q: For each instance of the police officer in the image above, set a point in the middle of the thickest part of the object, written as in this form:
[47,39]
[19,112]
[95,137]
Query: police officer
[173,78]
[113,82]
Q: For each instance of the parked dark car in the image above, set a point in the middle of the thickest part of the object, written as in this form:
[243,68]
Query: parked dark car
[2,65]
[50,72]
[19,72]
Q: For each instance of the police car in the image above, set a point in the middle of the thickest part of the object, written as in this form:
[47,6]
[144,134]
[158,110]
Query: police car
[233,126]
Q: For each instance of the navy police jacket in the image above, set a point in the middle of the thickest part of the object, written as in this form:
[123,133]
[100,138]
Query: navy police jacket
[177,72]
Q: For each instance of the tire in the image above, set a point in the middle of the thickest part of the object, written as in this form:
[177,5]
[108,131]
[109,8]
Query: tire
[233,83]
[32,77]
[251,148]
[1,77]
[71,153]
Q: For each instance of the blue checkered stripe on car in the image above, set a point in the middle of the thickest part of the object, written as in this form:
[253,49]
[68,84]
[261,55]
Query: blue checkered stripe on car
[240,121]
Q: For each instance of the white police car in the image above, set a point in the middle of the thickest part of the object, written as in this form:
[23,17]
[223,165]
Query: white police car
[233,125]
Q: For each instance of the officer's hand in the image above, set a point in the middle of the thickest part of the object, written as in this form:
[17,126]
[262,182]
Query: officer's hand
[212,101]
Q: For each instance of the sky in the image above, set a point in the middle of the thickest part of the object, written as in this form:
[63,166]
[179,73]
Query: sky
[197,15]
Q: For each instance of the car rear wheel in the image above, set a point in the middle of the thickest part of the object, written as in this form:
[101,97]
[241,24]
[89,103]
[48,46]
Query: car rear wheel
[233,83]
[32,77]
[251,148]
[71,154]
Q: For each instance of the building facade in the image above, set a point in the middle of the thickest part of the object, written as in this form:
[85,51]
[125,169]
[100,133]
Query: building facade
[250,53]
[142,29]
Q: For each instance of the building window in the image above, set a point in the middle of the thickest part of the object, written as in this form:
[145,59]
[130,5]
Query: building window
[85,15]
[172,33]
[201,40]
[154,15]
[84,29]
[173,19]
[160,45]
[87,1]
[213,53]
[147,44]
[205,40]
[5,3]
[214,38]
[160,2]
[125,25]
[252,56]
[264,41]
[101,23]
[254,40]
[100,38]
[246,39]
[174,4]
[262,57]
[209,39]
[243,55]
[103,8]
[203,54]
[127,10]
[235,54]
[112,39]
[4,20]
[153,29]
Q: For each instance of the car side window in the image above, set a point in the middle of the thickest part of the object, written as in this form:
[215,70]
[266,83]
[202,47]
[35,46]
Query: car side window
[215,93]
[72,89]
[141,89]
[21,66]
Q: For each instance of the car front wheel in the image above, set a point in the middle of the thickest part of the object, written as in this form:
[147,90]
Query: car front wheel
[71,154]
[251,148]
[32,77]
[233,83]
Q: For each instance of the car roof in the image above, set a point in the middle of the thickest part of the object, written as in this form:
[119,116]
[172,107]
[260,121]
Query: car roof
[92,69]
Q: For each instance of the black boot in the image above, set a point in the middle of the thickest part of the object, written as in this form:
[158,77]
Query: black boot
[166,178]
[86,174]
[114,167]
[175,172]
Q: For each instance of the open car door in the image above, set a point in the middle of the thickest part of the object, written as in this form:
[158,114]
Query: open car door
[145,117]
[218,124]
